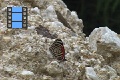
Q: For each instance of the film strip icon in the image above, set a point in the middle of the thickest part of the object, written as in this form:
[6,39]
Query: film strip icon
[17,17]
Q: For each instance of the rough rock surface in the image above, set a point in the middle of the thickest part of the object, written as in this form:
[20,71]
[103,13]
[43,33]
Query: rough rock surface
[106,43]
[24,54]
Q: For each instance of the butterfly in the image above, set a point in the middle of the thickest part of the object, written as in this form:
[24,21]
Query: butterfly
[57,50]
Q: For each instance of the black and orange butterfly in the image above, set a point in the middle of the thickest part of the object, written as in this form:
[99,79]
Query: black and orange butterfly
[57,50]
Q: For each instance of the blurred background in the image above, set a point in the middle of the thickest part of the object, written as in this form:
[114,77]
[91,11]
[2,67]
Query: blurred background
[97,13]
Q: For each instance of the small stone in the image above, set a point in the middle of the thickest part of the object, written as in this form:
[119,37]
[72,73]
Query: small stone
[90,73]
[31,27]
[36,10]
[29,49]
[6,38]
[26,73]
[73,13]
[47,77]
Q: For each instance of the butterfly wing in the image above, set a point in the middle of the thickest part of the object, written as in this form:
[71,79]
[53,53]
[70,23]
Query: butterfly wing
[63,52]
[57,50]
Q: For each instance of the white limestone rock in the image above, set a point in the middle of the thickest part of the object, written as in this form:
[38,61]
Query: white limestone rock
[73,13]
[46,77]
[10,69]
[105,36]
[35,10]
[31,27]
[105,42]
[111,72]
[27,73]
[53,69]
[91,74]
[49,14]
[7,38]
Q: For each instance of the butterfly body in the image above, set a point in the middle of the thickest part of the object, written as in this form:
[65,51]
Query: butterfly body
[57,50]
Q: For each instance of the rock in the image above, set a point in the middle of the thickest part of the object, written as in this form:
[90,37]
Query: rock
[91,74]
[112,73]
[35,10]
[27,73]
[24,54]
[31,27]
[107,73]
[49,14]
[105,42]
[10,69]
[63,20]
[53,69]
[47,77]
[45,32]
[6,38]
[104,35]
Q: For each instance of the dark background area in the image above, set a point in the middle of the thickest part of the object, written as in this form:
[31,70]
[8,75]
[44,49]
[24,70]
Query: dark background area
[97,13]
